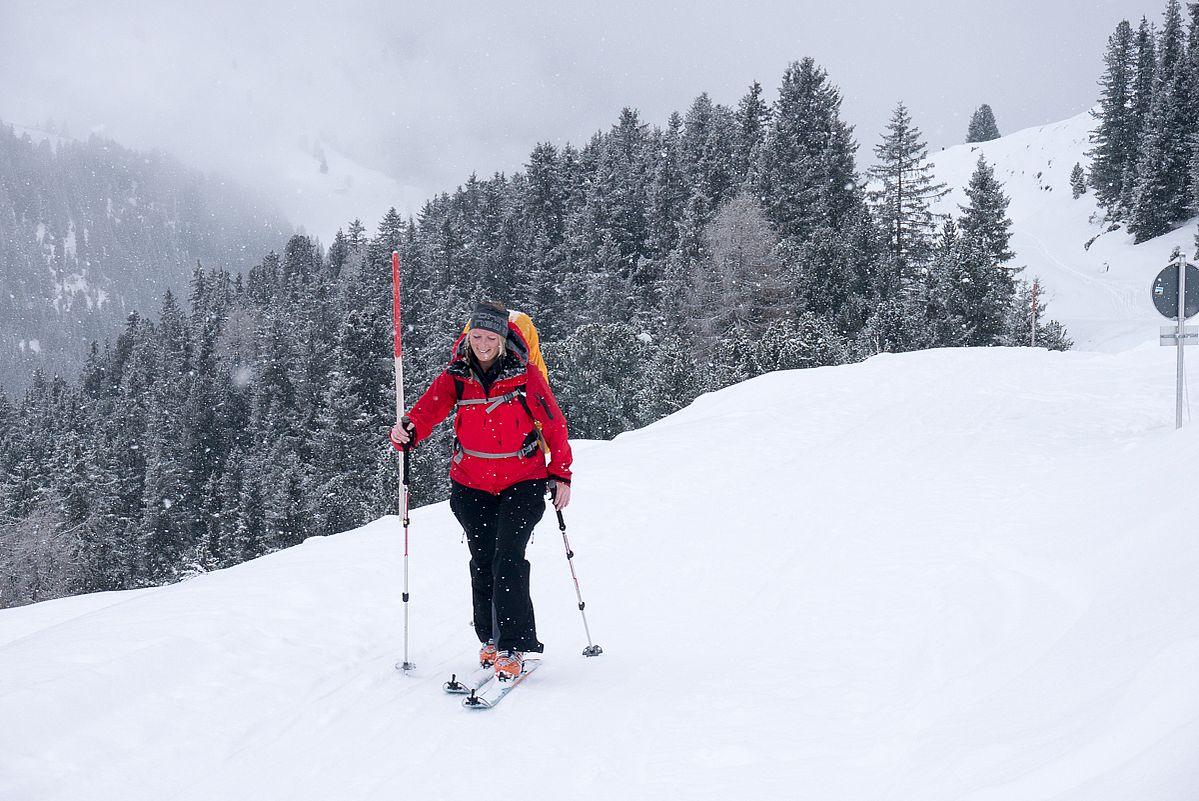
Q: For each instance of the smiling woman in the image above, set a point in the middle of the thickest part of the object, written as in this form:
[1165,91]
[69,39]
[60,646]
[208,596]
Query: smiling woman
[506,420]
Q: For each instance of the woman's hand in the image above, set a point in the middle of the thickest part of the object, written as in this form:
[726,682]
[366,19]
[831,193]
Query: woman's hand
[560,493]
[401,432]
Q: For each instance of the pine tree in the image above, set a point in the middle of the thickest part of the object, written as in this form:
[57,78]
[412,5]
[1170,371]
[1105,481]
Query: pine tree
[544,214]
[809,341]
[672,378]
[985,219]
[1144,78]
[946,310]
[1114,140]
[752,125]
[904,191]
[1078,181]
[983,127]
[895,324]
[591,367]
[1144,75]
[611,231]
[832,272]
[987,286]
[1162,195]
[173,491]
[707,149]
[1192,70]
[808,180]
[668,196]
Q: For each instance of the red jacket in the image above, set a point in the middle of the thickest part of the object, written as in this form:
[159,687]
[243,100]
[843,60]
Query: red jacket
[503,428]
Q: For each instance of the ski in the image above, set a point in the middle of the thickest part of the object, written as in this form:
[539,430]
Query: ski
[492,692]
[469,682]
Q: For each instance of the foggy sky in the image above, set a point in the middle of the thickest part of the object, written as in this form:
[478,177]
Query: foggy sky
[430,95]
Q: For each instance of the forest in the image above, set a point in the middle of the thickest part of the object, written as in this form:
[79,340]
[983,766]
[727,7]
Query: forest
[659,262]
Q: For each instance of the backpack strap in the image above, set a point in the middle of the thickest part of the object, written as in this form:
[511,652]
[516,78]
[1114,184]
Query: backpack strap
[541,441]
[493,403]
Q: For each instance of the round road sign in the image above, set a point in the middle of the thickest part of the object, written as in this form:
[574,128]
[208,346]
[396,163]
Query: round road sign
[1165,292]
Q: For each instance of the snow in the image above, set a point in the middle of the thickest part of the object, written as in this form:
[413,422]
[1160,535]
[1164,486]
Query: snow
[955,574]
[945,575]
[69,246]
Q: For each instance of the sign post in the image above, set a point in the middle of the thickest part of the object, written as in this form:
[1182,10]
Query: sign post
[1176,297]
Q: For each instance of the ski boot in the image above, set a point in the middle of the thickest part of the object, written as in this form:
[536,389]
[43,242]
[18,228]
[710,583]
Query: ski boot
[508,665]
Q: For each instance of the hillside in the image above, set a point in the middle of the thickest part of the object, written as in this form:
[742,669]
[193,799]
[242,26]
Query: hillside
[942,575]
[1098,281]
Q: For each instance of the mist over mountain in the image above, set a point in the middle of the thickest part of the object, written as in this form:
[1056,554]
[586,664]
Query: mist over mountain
[91,230]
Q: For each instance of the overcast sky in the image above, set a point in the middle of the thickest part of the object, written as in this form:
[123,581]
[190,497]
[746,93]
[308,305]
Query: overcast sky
[429,95]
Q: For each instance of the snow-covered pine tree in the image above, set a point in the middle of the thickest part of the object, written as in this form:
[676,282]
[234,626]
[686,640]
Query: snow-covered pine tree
[807,341]
[544,216]
[707,148]
[985,218]
[943,298]
[753,124]
[833,272]
[808,180]
[1078,181]
[1162,194]
[1144,75]
[672,378]
[1114,140]
[609,234]
[1192,70]
[338,475]
[597,372]
[903,189]
[988,285]
[983,127]
[669,192]
[1144,78]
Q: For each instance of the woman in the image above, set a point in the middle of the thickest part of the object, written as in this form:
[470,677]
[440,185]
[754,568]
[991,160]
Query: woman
[506,415]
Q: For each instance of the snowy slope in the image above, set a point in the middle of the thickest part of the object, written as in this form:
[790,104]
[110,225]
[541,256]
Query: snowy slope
[1100,293]
[324,201]
[956,574]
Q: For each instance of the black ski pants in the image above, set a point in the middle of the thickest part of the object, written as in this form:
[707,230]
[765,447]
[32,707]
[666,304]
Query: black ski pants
[498,528]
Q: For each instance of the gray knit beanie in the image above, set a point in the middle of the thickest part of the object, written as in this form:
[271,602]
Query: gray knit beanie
[491,317]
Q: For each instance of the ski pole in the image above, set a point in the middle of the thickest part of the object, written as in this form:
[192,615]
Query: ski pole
[404,477]
[591,649]
[403,455]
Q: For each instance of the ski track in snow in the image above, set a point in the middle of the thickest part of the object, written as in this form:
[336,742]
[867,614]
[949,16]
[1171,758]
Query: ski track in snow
[956,575]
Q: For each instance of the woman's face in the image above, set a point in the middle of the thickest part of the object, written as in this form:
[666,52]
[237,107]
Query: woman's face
[484,344]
